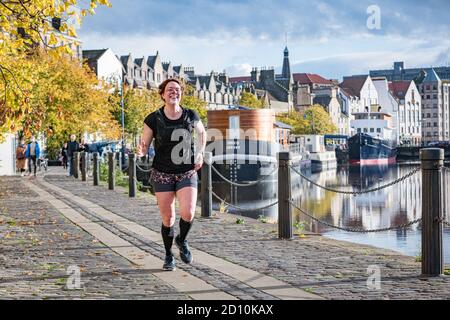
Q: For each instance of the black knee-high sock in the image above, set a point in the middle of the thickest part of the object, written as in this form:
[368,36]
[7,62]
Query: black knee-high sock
[185,226]
[167,235]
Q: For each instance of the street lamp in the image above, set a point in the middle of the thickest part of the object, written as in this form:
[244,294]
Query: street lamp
[123,125]
[116,78]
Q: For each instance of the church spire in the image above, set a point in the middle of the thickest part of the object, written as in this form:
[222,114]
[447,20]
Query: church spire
[286,72]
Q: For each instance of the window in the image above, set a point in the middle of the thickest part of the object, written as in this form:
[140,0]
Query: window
[365,130]
[434,115]
[372,130]
[56,23]
[378,130]
[434,87]
[423,115]
[234,127]
[435,124]
[428,96]
[435,96]
[428,115]
[435,134]
[358,130]
[428,87]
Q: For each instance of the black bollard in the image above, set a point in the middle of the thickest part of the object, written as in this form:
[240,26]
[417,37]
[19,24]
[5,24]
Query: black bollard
[111,171]
[83,157]
[432,161]
[206,186]
[76,164]
[96,171]
[284,196]
[132,175]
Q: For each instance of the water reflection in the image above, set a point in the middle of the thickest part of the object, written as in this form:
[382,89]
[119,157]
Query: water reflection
[387,207]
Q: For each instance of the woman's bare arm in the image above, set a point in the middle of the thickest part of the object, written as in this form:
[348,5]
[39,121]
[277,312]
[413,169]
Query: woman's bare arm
[147,137]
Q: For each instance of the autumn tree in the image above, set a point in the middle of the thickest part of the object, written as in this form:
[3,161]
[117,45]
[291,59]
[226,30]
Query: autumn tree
[137,104]
[24,25]
[248,99]
[312,120]
[65,99]
[191,102]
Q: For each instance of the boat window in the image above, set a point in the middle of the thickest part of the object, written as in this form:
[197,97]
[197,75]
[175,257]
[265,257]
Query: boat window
[234,127]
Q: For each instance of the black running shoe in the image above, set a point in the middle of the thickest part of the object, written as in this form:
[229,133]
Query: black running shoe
[185,254]
[169,263]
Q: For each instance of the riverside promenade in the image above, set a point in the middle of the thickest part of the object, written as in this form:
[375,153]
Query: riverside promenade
[61,238]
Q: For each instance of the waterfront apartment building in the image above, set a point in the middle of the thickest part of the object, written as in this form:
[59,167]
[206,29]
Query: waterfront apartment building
[362,97]
[409,111]
[433,85]
[435,106]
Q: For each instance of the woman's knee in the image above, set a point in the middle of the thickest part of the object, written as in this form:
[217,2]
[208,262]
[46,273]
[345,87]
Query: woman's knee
[168,218]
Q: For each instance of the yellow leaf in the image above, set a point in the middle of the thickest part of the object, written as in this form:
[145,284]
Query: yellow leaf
[53,40]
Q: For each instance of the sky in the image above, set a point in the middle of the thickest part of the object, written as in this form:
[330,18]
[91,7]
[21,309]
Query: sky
[331,38]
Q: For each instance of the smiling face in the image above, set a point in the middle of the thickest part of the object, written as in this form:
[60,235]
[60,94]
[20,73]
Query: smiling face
[172,93]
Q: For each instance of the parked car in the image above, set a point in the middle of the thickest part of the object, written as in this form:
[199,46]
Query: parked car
[439,144]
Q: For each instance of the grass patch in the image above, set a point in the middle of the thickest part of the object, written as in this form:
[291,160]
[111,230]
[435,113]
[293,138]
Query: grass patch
[240,221]
[263,219]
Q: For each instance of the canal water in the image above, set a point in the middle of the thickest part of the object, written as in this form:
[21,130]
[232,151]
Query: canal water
[391,206]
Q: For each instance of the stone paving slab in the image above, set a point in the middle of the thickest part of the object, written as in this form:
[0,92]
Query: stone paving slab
[330,268]
[38,245]
[267,284]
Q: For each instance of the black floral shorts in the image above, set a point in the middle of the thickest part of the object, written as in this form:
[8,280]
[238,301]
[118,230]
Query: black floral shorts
[164,182]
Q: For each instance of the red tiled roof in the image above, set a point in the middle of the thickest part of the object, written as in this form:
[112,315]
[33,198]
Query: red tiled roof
[240,79]
[399,88]
[353,85]
[309,78]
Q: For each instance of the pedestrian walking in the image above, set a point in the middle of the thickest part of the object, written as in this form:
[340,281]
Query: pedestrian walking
[21,159]
[175,165]
[64,156]
[72,147]
[32,153]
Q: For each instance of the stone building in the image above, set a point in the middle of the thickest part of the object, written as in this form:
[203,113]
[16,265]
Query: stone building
[214,88]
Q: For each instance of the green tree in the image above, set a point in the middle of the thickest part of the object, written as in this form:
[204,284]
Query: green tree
[250,100]
[313,120]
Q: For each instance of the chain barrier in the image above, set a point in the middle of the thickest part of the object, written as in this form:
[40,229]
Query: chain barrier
[243,184]
[242,208]
[142,170]
[406,176]
[401,226]
[442,220]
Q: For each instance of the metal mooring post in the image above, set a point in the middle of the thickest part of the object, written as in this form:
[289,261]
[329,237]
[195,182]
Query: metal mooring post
[83,165]
[432,161]
[206,186]
[132,175]
[76,164]
[284,196]
[96,170]
[111,171]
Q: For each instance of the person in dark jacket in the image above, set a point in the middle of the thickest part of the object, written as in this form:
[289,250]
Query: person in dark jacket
[33,153]
[64,156]
[72,147]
